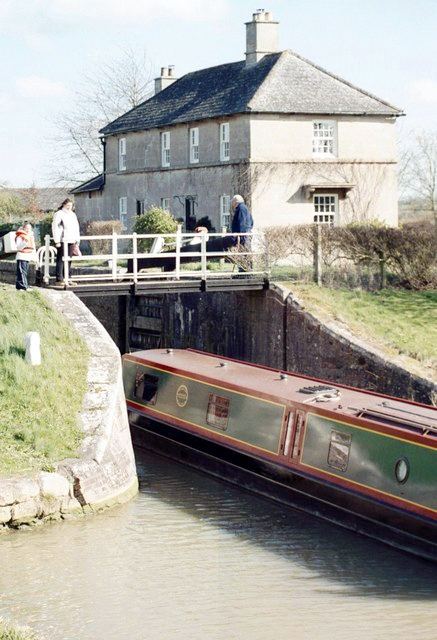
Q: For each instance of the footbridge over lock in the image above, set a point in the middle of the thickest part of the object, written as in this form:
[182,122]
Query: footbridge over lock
[143,264]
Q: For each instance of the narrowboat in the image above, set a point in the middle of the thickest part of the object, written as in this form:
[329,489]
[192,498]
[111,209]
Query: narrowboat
[363,460]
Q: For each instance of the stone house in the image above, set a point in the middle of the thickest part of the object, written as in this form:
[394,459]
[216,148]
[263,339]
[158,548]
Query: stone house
[299,143]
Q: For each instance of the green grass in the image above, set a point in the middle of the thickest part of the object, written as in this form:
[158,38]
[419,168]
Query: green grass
[38,405]
[399,321]
[9,632]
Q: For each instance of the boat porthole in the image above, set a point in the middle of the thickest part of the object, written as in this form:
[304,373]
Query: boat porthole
[402,470]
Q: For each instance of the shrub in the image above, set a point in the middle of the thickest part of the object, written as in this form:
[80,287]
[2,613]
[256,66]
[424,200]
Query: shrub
[154,220]
[102,228]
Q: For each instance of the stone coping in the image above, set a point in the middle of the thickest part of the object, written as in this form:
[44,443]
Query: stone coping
[104,472]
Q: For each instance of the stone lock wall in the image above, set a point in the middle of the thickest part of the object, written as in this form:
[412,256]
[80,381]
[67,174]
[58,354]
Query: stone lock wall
[104,473]
[271,328]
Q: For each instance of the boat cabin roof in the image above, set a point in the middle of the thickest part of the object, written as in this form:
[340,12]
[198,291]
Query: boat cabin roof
[286,387]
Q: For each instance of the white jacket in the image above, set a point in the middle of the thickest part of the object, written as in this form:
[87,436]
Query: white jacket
[65,226]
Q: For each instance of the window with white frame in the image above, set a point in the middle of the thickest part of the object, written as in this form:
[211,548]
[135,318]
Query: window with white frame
[194,145]
[165,204]
[224,141]
[324,138]
[165,149]
[122,211]
[225,214]
[122,154]
[325,208]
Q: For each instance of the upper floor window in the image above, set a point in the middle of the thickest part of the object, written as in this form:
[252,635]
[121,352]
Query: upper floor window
[224,141]
[122,154]
[194,145]
[225,215]
[165,149]
[122,211]
[324,138]
[325,208]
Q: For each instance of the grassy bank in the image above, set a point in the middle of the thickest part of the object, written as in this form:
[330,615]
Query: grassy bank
[398,321]
[8,632]
[38,405]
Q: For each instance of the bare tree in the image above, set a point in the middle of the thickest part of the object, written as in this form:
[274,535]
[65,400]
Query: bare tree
[115,88]
[420,173]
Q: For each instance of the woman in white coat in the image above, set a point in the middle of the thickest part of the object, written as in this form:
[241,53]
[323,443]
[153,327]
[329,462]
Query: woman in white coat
[65,226]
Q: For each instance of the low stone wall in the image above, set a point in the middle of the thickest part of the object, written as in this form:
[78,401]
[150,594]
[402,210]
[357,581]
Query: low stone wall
[104,472]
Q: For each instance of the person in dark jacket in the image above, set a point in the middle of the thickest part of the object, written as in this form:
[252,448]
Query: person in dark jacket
[242,220]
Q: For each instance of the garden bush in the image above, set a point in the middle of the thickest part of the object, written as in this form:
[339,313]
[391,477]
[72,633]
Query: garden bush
[154,220]
[102,228]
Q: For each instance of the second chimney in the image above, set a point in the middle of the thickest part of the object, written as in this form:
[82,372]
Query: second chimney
[261,36]
[166,78]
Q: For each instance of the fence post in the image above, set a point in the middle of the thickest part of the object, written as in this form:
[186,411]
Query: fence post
[65,260]
[135,257]
[178,251]
[46,277]
[203,256]
[382,272]
[114,256]
[318,255]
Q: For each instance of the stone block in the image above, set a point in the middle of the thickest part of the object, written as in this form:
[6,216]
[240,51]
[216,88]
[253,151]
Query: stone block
[53,484]
[24,511]
[25,488]
[5,514]
[6,494]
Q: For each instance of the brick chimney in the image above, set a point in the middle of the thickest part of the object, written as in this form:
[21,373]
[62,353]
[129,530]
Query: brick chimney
[166,78]
[261,36]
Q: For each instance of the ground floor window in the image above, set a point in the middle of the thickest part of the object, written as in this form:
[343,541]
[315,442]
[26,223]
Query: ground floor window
[325,208]
[225,212]
[122,211]
[165,204]
[140,207]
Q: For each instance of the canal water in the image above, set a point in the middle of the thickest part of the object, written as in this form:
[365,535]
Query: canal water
[195,558]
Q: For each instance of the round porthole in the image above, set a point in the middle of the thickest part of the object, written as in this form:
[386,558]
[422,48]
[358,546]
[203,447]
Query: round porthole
[402,470]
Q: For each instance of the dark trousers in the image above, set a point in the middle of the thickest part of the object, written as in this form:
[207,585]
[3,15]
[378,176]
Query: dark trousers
[22,271]
[60,260]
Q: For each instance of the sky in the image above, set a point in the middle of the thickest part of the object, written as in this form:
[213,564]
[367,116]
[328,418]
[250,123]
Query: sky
[387,47]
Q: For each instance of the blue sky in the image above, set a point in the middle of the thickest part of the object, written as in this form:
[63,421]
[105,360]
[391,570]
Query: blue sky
[388,47]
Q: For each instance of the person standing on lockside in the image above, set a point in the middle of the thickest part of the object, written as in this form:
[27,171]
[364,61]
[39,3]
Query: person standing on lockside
[25,243]
[65,227]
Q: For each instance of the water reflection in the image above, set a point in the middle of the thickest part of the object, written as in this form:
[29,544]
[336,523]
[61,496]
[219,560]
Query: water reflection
[196,558]
[355,564]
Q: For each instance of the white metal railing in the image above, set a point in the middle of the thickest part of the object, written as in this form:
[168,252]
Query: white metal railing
[250,258]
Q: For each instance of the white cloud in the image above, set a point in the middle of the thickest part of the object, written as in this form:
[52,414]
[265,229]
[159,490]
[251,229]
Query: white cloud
[424,91]
[39,87]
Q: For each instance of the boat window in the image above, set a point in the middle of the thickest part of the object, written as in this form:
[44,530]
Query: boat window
[146,387]
[339,449]
[218,411]
[402,470]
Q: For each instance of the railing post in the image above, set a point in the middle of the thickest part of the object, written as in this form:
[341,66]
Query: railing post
[65,260]
[178,251]
[203,260]
[46,276]
[135,256]
[114,256]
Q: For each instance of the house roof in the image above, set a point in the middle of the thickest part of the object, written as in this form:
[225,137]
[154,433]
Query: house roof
[94,184]
[279,83]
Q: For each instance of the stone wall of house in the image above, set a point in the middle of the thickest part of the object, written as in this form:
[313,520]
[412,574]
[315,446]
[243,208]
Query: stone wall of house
[279,148]
[103,474]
